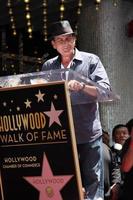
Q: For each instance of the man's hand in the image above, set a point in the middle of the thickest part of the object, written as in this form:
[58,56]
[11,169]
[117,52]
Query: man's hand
[80,86]
[75,85]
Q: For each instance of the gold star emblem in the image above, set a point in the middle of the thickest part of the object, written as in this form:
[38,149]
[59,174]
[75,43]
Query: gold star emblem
[40,96]
[27,103]
[49,191]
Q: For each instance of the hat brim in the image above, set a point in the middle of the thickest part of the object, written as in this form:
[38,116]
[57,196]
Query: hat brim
[53,36]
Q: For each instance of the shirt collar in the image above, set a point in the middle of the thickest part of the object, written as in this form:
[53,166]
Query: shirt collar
[77,55]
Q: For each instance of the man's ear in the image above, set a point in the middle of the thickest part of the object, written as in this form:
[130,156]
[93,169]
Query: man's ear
[53,44]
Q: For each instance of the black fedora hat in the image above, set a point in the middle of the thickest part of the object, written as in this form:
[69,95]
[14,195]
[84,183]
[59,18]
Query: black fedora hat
[59,28]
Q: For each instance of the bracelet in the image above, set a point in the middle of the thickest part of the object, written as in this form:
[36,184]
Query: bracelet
[83,86]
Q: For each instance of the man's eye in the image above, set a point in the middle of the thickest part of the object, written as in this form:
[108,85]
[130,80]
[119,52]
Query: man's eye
[59,41]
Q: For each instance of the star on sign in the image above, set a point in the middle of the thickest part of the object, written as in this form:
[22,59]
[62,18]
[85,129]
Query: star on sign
[27,103]
[53,115]
[40,96]
[47,184]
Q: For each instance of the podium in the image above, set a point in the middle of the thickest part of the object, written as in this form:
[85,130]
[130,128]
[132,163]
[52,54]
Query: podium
[39,158]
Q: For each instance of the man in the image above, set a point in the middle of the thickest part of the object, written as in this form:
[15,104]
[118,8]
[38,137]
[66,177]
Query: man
[86,116]
[119,135]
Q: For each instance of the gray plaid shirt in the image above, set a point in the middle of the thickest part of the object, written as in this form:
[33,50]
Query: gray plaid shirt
[86,116]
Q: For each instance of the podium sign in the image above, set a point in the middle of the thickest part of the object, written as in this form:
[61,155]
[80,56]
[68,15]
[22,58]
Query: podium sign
[38,155]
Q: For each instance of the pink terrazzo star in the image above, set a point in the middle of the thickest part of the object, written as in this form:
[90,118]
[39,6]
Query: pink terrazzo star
[53,115]
[47,184]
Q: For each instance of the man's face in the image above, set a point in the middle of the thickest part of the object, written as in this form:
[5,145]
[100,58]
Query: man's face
[64,44]
[121,134]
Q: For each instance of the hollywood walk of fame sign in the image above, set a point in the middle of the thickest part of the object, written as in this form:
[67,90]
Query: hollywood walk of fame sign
[39,158]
